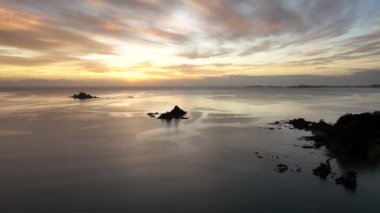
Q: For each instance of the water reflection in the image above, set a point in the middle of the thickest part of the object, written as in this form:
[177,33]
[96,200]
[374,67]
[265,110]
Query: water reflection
[106,155]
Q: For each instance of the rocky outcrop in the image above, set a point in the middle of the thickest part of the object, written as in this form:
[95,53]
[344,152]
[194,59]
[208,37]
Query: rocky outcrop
[352,135]
[175,113]
[83,96]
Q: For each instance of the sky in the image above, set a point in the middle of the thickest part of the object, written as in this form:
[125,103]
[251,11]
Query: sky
[189,42]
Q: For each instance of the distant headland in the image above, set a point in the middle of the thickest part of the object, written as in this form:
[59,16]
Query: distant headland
[317,86]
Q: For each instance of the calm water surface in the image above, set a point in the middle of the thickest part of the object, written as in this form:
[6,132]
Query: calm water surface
[105,155]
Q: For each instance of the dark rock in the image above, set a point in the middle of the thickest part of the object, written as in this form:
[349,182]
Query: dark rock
[277,123]
[281,168]
[322,171]
[176,113]
[321,127]
[151,114]
[348,180]
[352,135]
[258,156]
[319,140]
[308,147]
[300,123]
[83,96]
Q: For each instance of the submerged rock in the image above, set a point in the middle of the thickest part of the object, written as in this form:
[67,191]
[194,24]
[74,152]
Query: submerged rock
[281,168]
[152,114]
[176,113]
[348,180]
[82,96]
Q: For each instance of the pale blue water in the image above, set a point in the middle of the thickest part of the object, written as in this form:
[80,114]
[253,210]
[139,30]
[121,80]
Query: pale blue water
[106,155]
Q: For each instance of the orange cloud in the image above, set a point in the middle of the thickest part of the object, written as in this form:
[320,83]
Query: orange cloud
[13,20]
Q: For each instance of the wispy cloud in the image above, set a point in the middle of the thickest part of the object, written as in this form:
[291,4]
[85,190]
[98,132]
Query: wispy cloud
[193,38]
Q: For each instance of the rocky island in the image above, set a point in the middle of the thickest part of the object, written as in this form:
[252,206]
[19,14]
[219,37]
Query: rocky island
[353,136]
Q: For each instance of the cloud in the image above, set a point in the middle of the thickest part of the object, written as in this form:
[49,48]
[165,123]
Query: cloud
[300,34]
[254,19]
[264,46]
[195,54]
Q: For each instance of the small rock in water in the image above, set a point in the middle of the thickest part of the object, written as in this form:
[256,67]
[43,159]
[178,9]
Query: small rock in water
[82,96]
[308,147]
[151,114]
[281,168]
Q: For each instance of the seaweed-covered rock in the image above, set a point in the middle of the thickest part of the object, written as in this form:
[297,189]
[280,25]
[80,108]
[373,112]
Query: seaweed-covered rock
[348,180]
[82,96]
[175,113]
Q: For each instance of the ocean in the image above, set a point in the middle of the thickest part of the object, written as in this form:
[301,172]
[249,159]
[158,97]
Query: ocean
[58,154]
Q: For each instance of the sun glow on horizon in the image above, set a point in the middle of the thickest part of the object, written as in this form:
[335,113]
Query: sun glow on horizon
[140,41]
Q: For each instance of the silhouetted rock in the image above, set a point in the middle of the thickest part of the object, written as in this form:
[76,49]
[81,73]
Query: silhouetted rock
[176,113]
[281,168]
[82,96]
[308,147]
[352,135]
[320,127]
[300,123]
[151,114]
[322,171]
[348,180]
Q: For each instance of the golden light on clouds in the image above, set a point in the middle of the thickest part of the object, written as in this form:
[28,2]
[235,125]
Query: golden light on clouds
[146,40]
[13,20]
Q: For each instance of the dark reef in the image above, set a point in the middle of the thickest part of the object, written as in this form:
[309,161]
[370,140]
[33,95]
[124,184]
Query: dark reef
[82,96]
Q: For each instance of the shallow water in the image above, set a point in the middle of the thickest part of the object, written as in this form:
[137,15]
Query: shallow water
[106,155]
